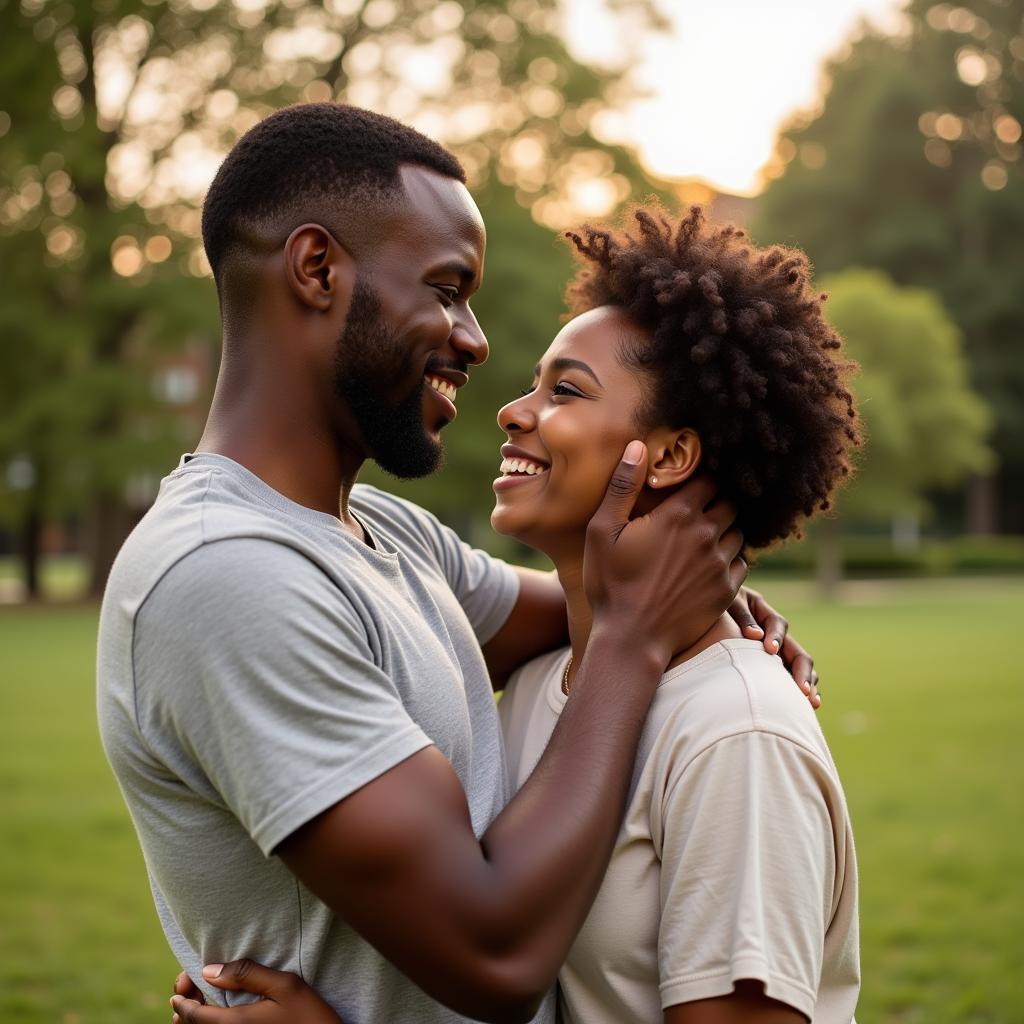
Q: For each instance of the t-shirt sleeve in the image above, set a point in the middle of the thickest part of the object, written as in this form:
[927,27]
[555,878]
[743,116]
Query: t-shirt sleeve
[251,666]
[748,871]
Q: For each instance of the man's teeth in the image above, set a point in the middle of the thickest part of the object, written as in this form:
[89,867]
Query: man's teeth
[521,466]
[443,387]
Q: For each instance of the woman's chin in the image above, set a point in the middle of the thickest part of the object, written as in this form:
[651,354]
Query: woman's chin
[503,521]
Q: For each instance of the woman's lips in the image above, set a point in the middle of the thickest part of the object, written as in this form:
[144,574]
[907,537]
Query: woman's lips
[509,480]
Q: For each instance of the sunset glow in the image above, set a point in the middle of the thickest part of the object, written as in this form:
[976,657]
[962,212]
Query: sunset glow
[723,80]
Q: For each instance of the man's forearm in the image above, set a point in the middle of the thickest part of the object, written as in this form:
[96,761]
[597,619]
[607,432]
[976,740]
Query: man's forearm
[550,847]
[483,925]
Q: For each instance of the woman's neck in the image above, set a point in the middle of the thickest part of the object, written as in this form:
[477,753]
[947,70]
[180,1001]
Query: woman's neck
[581,618]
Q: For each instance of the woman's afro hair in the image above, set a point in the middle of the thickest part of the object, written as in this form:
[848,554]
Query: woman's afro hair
[738,350]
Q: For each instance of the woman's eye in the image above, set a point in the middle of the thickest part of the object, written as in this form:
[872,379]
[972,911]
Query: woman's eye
[566,390]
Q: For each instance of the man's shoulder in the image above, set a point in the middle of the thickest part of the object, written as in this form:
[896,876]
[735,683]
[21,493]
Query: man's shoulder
[400,513]
[203,527]
[404,525]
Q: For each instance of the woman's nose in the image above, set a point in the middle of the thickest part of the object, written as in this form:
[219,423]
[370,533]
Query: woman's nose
[516,416]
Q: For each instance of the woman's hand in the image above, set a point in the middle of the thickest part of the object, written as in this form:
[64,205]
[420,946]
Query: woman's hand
[759,620]
[286,998]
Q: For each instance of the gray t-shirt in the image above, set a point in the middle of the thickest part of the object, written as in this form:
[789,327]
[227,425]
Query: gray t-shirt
[257,664]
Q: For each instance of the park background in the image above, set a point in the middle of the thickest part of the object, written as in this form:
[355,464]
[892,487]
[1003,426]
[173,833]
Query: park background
[895,161]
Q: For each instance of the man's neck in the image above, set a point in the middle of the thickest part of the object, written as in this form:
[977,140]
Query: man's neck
[290,452]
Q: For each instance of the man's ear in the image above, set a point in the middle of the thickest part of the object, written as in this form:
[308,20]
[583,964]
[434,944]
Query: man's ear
[320,272]
[672,457]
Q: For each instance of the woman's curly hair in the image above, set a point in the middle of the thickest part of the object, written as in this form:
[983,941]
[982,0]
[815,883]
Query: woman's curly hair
[738,350]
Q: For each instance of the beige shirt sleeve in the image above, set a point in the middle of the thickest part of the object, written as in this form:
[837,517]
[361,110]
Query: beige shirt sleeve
[748,870]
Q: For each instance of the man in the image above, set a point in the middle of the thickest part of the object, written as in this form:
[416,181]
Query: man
[293,671]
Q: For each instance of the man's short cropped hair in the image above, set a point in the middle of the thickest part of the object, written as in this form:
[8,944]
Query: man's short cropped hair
[327,155]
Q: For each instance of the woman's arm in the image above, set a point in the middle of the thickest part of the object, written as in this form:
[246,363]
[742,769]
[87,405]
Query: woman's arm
[746,1005]
[286,998]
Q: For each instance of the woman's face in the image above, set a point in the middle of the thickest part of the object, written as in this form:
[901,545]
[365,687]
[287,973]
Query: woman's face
[566,436]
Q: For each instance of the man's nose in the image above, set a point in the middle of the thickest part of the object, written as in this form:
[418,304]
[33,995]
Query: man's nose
[468,339]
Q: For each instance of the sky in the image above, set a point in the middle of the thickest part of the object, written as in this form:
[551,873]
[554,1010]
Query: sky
[723,80]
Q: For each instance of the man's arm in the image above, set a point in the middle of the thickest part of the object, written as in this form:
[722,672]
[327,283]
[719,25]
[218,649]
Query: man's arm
[483,925]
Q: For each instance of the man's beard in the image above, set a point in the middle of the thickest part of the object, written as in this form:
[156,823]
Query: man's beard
[368,360]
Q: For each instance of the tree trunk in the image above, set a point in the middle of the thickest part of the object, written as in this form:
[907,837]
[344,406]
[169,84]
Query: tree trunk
[30,548]
[111,524]
[982,502]
[830,557]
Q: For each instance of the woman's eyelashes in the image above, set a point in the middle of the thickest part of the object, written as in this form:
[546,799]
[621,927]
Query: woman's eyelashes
[559,390]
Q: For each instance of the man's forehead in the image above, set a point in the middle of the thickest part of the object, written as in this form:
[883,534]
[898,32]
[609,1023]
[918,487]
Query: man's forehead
[436,202]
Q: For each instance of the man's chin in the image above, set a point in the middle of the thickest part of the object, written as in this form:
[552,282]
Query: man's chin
[415,463]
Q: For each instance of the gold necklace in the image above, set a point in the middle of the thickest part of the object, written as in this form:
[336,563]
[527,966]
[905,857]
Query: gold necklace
[565,676]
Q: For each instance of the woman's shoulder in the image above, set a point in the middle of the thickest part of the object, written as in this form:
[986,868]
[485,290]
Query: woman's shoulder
[733,687]
[532,676]
[528,709]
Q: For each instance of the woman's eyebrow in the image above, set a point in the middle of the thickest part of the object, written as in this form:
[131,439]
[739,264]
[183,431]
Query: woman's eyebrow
[565,363]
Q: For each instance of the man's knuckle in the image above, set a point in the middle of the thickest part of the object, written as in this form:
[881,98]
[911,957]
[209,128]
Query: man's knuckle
[243,968]
[684,513]
[620,486]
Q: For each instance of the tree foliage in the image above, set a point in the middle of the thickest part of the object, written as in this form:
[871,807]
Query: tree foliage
[913,165]
[114,115]
[926,427]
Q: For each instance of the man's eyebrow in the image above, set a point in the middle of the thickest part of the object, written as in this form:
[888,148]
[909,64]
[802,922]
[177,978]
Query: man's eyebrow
[461,270]
[565,363]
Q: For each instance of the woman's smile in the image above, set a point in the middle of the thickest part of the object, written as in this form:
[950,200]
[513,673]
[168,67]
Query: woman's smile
[518,466]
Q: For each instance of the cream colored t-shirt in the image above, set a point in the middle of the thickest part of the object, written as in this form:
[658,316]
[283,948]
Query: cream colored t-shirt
[735,859]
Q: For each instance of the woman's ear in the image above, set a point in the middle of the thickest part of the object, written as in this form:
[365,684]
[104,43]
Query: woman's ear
[319,270]
[672,458]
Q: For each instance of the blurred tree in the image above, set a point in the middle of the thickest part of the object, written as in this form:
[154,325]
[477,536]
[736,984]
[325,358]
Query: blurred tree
[913,164]
[114,116]
[926,427]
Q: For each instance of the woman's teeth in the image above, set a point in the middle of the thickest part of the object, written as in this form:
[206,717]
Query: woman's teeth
[521,466]
[443,387]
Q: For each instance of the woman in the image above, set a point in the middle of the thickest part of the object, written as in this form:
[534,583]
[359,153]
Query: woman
[731,894]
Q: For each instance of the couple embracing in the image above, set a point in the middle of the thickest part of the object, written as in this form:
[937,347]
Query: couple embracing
[296,672]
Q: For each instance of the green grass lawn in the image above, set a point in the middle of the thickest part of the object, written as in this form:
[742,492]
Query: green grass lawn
[923,709]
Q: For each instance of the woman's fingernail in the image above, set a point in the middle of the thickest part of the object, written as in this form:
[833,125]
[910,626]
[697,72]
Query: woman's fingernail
[212,971]
[806,684]
[775,643]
